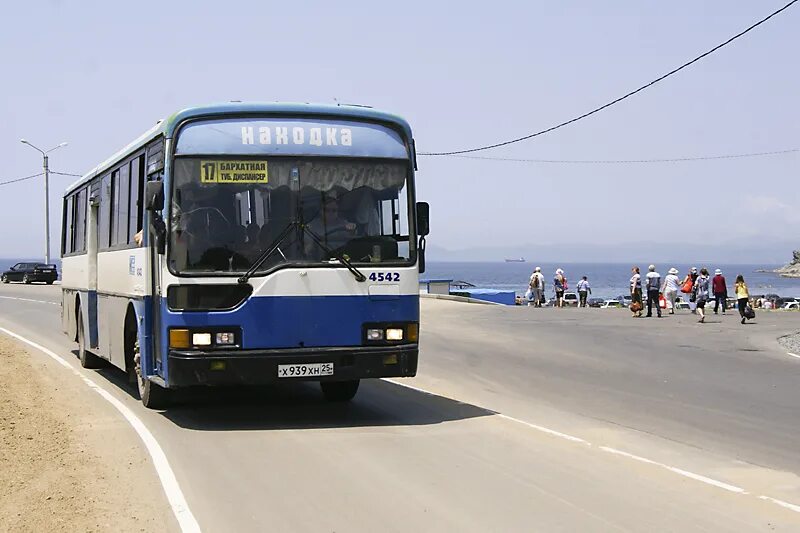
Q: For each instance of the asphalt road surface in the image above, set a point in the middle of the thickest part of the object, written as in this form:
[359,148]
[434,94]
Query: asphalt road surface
[520,419]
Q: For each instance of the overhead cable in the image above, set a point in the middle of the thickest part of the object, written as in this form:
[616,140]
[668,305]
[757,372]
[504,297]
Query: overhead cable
[15,180]
[65,174]
[628,161]
[617,100]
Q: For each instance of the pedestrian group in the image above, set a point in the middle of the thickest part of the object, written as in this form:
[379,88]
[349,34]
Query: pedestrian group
[699,287]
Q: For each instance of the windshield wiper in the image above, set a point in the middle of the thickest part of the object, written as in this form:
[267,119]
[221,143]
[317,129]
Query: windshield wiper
[266,254]
[360,277]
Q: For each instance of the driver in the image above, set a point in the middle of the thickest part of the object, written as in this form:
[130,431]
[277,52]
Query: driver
[197,224]
[334,230]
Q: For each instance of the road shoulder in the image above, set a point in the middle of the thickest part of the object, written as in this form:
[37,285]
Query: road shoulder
[68,461]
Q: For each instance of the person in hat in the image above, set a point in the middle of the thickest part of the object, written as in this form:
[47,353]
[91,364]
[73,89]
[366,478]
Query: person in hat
[536,285]
[720,289]
[653,285]
[670,288]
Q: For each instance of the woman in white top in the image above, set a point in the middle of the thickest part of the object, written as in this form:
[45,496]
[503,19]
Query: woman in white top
[670,288]
[636,292]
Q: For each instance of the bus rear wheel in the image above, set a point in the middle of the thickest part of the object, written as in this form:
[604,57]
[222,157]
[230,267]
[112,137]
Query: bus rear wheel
[339,391]
[153,396]
[88,359]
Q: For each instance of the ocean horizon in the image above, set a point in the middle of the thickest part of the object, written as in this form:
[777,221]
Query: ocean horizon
[608,280]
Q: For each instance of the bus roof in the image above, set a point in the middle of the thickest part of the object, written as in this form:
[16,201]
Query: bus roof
[168,126]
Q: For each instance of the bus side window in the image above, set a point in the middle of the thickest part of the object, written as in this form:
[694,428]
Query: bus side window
[137,187]
[104,231]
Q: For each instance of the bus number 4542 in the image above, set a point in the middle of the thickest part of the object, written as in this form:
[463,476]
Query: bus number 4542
[384,276]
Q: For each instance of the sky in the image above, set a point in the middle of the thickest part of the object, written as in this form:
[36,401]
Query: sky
[97,74]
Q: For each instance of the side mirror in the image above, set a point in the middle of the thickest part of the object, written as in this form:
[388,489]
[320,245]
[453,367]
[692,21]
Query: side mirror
[154,196]
[423,219]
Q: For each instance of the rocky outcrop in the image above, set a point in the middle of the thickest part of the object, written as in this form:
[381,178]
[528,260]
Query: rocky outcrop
[792,270]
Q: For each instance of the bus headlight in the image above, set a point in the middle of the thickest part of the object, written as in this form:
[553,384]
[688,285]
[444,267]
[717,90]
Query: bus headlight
[394,334]
[390,333]
[374,334]
[225,339]
[201,339]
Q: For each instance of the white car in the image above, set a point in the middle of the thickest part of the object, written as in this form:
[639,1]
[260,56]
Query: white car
[571,299]
[608,304]
[791,305]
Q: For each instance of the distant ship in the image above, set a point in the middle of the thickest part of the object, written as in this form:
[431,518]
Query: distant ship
[518,260]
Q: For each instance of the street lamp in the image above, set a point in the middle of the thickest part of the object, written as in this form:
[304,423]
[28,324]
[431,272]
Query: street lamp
[46,194]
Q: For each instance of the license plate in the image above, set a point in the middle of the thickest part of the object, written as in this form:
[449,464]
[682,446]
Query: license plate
[305,370]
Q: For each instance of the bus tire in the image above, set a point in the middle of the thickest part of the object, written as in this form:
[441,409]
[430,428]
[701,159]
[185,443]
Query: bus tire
[153,396]
[88,359]
[339,391]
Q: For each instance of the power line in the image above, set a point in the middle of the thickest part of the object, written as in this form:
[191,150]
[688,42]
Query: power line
[621,98]
[15,180]
[628,161]
[66,174]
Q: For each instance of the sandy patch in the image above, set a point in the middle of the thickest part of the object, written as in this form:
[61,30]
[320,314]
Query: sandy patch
[68,461]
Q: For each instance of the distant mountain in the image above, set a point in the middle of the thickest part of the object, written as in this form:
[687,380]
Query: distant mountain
[750,252]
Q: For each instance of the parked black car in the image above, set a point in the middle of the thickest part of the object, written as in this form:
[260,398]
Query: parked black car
[30,272]
[595,302]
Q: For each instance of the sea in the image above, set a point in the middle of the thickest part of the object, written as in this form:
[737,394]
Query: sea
[608,280]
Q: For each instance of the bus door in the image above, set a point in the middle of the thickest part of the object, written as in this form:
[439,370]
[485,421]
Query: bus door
[154,172]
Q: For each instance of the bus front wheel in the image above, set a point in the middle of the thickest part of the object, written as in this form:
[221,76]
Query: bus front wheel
[153,396]
[339,391]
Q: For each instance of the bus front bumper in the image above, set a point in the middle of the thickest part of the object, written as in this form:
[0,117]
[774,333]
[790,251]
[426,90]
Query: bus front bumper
[260,367]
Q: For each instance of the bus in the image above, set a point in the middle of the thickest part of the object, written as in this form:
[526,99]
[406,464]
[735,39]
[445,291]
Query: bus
[249,244]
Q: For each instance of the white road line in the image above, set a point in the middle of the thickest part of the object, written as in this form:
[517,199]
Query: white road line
[793,507]
[679,471]
[169,482]
[29,300]
[571,438]
[793,354]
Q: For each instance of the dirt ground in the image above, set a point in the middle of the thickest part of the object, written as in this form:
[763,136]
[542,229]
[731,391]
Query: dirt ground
[68,460]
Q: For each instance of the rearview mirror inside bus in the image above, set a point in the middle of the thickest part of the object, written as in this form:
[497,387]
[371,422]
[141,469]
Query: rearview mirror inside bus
[423,220]
[154,196]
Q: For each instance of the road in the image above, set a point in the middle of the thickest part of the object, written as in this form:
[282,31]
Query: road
[533,420]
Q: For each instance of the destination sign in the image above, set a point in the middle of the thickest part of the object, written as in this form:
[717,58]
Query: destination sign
[233,172]
[278,136]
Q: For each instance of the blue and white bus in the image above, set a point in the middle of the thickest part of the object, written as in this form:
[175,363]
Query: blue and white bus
[242,244]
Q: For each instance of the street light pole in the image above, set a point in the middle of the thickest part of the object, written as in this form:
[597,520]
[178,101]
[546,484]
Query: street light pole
[46,194]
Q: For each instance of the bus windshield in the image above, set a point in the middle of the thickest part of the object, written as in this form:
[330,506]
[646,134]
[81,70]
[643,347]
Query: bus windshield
[226,212]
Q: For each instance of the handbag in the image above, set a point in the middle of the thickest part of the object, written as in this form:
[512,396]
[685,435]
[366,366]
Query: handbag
[749,313]
[687,286]
[635,307]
